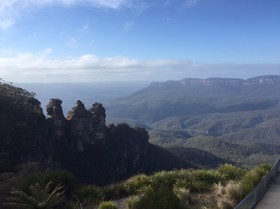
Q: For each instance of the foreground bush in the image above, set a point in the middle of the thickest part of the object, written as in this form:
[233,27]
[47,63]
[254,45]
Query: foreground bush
[137,184]
[107,205]
[113,191]
[90,193]
[40,198]
[230,172]
[161,198]
[222,188]
[252,178]
[64,178]
[228,195]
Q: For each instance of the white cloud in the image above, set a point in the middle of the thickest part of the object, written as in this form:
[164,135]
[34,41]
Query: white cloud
[29,67]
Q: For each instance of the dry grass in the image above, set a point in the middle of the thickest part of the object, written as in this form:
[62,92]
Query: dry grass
[227,195]
[184,195]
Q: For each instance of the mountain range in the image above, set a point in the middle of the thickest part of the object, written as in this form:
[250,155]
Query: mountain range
[213,114]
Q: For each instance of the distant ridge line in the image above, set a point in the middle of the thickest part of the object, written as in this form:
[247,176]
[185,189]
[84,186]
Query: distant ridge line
[215,81]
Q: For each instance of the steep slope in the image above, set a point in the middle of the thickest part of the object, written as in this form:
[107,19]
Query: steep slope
[198,157]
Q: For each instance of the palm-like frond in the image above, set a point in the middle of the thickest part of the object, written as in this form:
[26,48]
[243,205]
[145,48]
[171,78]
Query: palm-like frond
[43,198]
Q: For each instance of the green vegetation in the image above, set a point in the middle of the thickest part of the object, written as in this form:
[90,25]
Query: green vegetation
[66,179]
[253,177]
[248,153]
[160,198]
[40,198]
[230,172]
[222,188]
[107,205]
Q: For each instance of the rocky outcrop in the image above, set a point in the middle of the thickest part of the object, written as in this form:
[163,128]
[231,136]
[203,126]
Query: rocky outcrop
[81,143]
[116,151]
[57,122]
[98,153]
[81,126]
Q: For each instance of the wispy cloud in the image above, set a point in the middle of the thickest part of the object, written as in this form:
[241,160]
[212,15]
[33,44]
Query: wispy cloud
[72,43]
[30,67]
[6,24]
[128,25]
[20,4]
[190,3]
[10,10]
[84,28]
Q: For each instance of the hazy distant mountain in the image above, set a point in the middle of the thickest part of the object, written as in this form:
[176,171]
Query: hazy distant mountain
[241,114]
[197,96]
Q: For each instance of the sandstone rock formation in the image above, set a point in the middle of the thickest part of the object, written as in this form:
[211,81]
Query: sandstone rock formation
[81,143]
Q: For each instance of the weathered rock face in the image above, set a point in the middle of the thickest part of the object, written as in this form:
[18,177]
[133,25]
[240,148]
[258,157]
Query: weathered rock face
[81,126]
[98,115]
[133,144]
[83,144]
[57,122]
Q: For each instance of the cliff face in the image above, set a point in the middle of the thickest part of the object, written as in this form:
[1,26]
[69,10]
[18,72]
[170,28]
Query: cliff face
[80,143]
[84,145]
[23,131]
[188,82]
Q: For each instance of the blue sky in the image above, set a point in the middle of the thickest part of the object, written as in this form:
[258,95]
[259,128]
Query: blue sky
[126,40]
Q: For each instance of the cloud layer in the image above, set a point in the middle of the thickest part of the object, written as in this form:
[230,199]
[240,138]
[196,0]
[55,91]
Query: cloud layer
[28,67]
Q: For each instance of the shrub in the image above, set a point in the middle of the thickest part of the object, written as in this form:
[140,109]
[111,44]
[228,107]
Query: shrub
[209,176]
[39,198]
[184,195]
[131,202]
[137,184]
[252,178]
[161,198]
[89,193]
[64,178]
[192,185]
[199,186]
[227,196]
[164,178]
[219,190]
[225,203]
[113,191]
[107,205]
[230,172]
[232,190]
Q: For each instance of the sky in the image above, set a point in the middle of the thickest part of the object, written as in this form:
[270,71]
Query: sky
[137,40]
